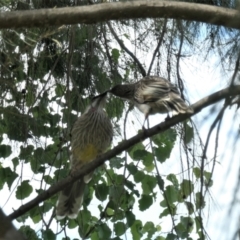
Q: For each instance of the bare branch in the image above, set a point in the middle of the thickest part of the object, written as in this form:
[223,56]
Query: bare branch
[197,107]
[121,10]
[158,45]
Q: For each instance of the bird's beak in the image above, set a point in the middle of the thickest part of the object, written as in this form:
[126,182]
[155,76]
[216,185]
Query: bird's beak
[99,99]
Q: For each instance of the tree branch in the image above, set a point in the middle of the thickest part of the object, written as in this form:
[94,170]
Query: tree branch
[197,107]
[121,10]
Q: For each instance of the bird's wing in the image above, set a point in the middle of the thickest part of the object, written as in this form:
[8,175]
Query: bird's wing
[152,89]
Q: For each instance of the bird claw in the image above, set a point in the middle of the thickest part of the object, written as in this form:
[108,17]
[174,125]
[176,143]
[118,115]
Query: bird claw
[167,118]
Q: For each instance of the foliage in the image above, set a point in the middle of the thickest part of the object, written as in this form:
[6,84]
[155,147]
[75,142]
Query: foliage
[47,76]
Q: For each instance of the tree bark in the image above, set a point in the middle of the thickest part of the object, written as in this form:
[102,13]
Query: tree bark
[121,10]
[7,230]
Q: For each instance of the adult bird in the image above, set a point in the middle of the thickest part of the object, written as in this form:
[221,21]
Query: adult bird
[92,134]
[151,95]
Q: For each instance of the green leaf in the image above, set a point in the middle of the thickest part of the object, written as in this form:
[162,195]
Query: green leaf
[181,231]
[110,212]
[15,162]
[47,206]
[5,151]
[72,223]
[132,168]
[8,176]
[165,142]
[34,214]
[103,231]
[187,223]
[101,191]
[184,227]
[171,209]
[171,236]
[163,203]
[172,178]
[134,151]
[35,165]
[138,154]
[116,162]
[150,168]
[160,238]
[94,236]
[130,185]
[188,136]
[116,193]
[139,176]
[61,173]
[197,172]
[120,215]
[198,221]
[145,202]
[60,89]
[208,178]
[130,218]
[25,152]
[136,230]
[147,158]
[149,228]
[30,98]
[200,202]
[84,220]
[190,207]
[29,233]
[186,188]
[115,108]
[24,190]
[115,54]
[48,235]
[148,184]
[48,179]
[119,179]
[13,120]
[164,213]
[36,218]
[53,119]
[171,194]
[119,228]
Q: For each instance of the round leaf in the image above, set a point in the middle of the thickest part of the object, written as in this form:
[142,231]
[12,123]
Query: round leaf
[24,190]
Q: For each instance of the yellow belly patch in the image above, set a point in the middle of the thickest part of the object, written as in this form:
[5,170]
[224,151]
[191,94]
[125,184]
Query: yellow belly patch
[87,154]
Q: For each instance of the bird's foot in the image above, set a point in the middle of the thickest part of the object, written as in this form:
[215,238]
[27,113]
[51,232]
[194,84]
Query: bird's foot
[168,117]
[144,130]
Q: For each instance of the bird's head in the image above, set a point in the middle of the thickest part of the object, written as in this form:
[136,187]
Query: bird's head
[124,91]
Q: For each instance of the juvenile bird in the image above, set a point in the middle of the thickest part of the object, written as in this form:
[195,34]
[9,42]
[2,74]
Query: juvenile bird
[91,134]
[153,95]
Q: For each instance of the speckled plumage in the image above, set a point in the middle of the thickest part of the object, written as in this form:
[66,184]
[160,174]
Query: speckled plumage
[153,95]
[91,135]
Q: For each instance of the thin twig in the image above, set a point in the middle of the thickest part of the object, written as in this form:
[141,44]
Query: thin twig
[121,44]
[158,46]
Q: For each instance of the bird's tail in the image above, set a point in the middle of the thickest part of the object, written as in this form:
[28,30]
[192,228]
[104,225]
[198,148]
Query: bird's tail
[178,105]
[70,200]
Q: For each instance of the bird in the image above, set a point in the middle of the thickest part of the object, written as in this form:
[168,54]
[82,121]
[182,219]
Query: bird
[91,135]
[151,95]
